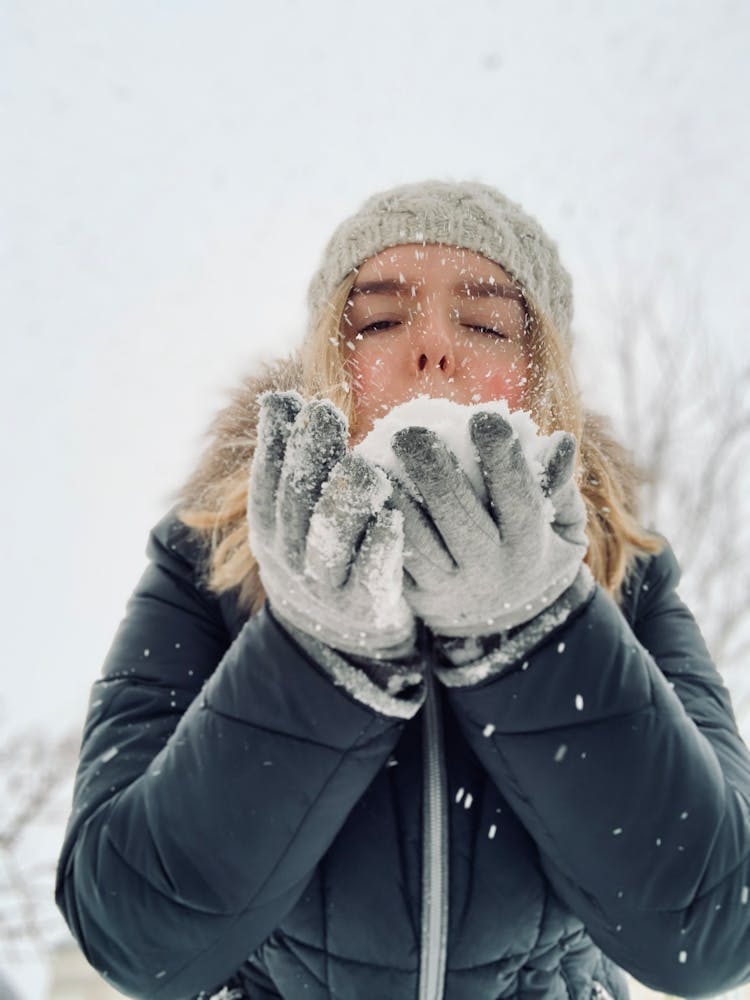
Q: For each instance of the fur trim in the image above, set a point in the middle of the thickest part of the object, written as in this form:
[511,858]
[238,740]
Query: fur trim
[232,432]
[231,441]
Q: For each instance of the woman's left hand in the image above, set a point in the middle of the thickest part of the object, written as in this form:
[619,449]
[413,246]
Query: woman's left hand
[473,570]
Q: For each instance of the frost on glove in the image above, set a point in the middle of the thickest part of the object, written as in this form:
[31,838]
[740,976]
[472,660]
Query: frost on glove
[491,582]
[330,552]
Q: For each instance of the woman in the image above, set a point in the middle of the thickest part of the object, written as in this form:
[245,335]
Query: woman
[348,744]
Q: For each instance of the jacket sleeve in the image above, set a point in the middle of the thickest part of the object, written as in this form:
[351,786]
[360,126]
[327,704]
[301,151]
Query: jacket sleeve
[213,776]
[618,749]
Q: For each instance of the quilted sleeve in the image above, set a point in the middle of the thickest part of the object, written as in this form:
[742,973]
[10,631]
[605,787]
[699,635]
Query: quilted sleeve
[618,749]
[213,776]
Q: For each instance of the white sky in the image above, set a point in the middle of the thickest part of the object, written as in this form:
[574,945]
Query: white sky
[171,171]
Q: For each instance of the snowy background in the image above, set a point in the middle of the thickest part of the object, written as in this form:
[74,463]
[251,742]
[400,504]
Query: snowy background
[170,174]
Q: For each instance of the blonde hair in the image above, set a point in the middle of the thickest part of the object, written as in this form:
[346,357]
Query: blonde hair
[214,501]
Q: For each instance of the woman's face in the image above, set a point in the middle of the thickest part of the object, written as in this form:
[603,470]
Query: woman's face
[432,320]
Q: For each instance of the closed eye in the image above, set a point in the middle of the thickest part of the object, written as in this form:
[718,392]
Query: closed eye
[380,324]
[486,329]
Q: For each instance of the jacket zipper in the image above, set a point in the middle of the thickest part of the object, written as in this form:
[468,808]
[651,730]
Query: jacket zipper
[434,944]
[434,841]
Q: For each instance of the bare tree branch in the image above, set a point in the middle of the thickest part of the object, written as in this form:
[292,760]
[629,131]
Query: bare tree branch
[685,416]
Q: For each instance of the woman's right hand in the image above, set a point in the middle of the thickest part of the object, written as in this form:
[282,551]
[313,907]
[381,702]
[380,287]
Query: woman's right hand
[329,552]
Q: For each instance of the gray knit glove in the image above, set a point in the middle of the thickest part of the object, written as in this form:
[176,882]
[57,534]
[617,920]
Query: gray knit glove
[477,575]
[329,552]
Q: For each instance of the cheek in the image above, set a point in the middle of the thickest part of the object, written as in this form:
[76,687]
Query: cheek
[502,378]
[506,384]
[377,383]
[367,377]
[374,370]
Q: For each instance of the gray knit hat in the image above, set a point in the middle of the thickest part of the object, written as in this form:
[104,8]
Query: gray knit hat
[464,214]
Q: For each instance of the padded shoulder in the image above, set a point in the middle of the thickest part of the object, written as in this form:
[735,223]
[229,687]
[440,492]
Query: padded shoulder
[175,546]
[649,576]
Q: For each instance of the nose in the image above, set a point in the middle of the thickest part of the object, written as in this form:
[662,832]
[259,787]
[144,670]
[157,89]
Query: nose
[433,347]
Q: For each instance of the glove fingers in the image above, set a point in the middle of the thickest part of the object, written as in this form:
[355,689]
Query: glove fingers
[318,440]
[457,512]
[352,494]
[424,552]
[513,489]
[559,464]
[278,411]
[559,485]
[570,514]
[378,567]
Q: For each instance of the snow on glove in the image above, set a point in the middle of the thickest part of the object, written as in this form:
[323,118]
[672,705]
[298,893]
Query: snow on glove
[329,551]
[475,573]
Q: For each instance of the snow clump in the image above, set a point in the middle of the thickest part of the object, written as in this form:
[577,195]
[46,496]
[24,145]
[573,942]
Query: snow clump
[450,421]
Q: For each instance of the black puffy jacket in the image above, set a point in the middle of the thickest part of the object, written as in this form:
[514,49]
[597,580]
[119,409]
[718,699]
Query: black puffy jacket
[241,821]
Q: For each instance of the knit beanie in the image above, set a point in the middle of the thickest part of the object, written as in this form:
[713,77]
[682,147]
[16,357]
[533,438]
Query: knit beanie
[462,214]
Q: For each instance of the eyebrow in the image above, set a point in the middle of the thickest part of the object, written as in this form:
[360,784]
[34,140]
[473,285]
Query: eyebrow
[466,289]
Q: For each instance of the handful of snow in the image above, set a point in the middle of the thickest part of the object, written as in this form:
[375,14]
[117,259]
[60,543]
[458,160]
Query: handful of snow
[450,421]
